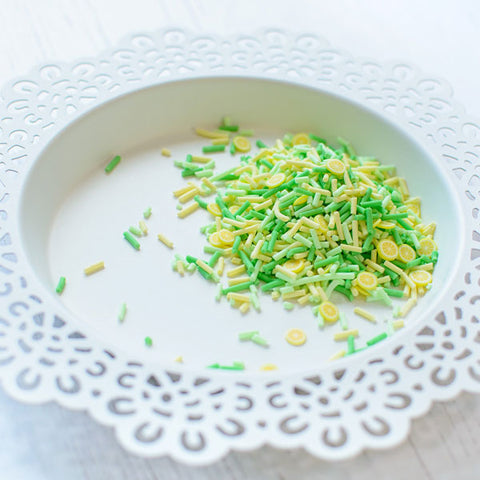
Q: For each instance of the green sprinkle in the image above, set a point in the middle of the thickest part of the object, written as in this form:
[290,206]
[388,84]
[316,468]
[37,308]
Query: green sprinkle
[259,340]
[377,339]
[60,285]
[213,148]
[148,341]
[200,202]
[213,261]
[131,240]
[343,321]
[350,344]
[228,128]
[113,163]
[147,213]
[288,306]
[393,293]
[244,336]
[122,312]
[246,133]
[136,231]
[237,288]
[232,149]
[260,144]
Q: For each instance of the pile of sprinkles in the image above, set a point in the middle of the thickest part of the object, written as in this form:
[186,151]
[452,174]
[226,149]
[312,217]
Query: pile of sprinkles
[300,220]
[304,222]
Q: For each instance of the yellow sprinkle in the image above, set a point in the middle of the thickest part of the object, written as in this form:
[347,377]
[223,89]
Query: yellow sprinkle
[322,191]
[201,132]
[181,191]
[143,227]
[353,206]
[341,336]
[363,313]
[336,356]
[338,224]
[166,241]
[239,297]
[251,199]
[96,267]
[221,141]
[263,205]
[218,226]
[179,359]
[209,184]
[268,366]
[187,210]
[235,272]
[250,229]
[205,267]
[303,300]
[394,268]
[278,214]
[374,265]
[188,195]
[355,232]
[384,279]
[220,266]
[249,240]
[275,295]
[294,294]
[166,152]
[405,310]
[257,248]
[238,280]
[180,267]
[285,271]
[236,261]
[351,248]
[398,324]
[244,307]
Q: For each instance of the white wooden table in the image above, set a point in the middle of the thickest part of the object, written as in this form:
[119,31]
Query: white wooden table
[441,37]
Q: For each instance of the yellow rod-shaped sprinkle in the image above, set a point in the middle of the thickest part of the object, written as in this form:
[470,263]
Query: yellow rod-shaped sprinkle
[96,267]
[366,315]
[184,212]
[341,336]
[166,242]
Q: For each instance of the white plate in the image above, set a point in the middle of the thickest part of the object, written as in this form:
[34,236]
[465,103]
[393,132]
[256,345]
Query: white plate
[62,213]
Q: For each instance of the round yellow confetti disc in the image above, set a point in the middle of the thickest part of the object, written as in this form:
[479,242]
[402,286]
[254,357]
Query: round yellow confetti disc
[329,312]
[406,253]
[387,249]
[275,180]
[421,278]
[215,240]
[296,337]
[242,144]
[214,209]
[301,139]
[300,200]
[427,246]
[335,166]
[226,237]
[367,280]
[294,265]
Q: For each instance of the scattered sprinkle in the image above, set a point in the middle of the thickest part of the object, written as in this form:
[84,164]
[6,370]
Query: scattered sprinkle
[60,285]
[147,213]
[122,312]
[166,152]
[113,163]
[148,341]
[96,267]
[131,240]
[165,240]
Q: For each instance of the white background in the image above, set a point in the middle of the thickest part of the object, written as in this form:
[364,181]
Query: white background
[441,37]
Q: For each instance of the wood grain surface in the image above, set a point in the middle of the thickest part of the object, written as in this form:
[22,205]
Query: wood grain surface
[441,37]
